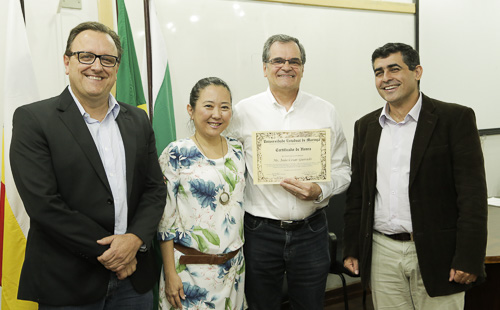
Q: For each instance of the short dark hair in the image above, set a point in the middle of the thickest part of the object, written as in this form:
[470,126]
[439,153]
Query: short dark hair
[94,26]
[282,38]
[410,55]
[204,83]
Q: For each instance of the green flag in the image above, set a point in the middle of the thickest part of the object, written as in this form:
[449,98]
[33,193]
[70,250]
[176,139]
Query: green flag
[163,108]
[128,83]
[163,115]
[163,104]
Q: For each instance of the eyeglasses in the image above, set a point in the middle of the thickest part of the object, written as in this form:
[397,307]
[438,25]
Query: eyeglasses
[278,62]
[88,58]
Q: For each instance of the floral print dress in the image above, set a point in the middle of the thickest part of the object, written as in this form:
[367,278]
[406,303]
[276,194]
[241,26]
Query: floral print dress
[195,218]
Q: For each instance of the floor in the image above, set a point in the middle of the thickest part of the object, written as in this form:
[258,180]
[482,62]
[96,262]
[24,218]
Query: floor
[354,304]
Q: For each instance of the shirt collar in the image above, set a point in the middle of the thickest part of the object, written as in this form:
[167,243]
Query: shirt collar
[113,106]
[414,112]
[272,100]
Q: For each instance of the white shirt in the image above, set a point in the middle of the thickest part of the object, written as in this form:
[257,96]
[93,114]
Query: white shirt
[109,143]
[392,204]
[262,112]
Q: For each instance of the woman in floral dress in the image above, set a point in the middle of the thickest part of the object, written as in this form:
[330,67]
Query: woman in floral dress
[201,231]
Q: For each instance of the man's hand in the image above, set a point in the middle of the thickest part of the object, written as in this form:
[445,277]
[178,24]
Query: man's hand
[301,190]
[462,277]
[121,252]
[128,270]
[351,264]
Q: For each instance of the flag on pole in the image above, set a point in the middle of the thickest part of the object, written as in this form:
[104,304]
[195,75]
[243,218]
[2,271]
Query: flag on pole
[19,89]
[128,83]
[163,103]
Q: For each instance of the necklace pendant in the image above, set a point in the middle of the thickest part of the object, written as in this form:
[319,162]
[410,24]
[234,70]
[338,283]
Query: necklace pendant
[224,198]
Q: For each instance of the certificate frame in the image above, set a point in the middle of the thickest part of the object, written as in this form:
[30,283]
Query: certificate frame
[300,154]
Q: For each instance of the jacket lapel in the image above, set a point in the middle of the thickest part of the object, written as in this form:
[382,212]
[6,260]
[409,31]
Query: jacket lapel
[372,142]
[426,124]
[129,143]
[73,120]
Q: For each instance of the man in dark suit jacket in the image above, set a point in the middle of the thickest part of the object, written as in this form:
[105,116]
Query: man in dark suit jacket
[416,215]
[86,169]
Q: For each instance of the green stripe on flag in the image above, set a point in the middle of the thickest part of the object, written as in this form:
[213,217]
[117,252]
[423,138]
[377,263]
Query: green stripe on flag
[163,115]
[128,83]
[163,109]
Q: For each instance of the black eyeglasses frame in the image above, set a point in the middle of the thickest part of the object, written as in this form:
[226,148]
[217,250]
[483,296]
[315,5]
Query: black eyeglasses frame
[95,57]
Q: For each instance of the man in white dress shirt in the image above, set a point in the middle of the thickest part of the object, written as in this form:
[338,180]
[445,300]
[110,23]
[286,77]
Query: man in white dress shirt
[286,230]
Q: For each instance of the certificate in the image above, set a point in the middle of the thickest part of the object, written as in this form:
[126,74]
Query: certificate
[300,154]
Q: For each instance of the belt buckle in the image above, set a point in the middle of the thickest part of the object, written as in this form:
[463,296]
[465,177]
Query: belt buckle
[285,224]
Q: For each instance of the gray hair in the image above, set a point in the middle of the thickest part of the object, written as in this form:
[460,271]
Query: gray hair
[282,38]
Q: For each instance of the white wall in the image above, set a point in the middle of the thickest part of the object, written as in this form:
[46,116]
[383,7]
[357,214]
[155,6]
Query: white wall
[460,48]
[491,151]
[459,51]
[48,31]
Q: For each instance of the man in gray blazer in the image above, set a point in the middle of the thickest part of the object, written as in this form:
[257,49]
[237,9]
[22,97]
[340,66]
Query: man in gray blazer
[416,215]
[86,169]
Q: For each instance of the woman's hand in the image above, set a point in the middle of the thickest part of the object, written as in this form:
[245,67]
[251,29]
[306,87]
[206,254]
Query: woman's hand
[174,289]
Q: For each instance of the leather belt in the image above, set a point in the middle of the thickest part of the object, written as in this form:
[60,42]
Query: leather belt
[192,256]
[288,224]
[401,236]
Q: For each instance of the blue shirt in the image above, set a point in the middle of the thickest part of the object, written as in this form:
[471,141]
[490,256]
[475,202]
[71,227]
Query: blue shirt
[109,143]
[392,203]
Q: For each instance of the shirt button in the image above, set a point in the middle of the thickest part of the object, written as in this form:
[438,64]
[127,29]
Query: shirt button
[110,201]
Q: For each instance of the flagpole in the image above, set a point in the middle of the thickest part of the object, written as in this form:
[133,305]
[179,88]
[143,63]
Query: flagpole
[22,10]
[149,59]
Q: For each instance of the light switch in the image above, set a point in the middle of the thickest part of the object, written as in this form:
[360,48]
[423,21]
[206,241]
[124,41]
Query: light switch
[71,4]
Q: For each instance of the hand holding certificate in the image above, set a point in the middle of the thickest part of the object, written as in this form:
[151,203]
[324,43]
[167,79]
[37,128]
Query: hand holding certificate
[300,154]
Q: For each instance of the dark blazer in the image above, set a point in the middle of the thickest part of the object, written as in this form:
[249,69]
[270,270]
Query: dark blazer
[447,192]
[61,180]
